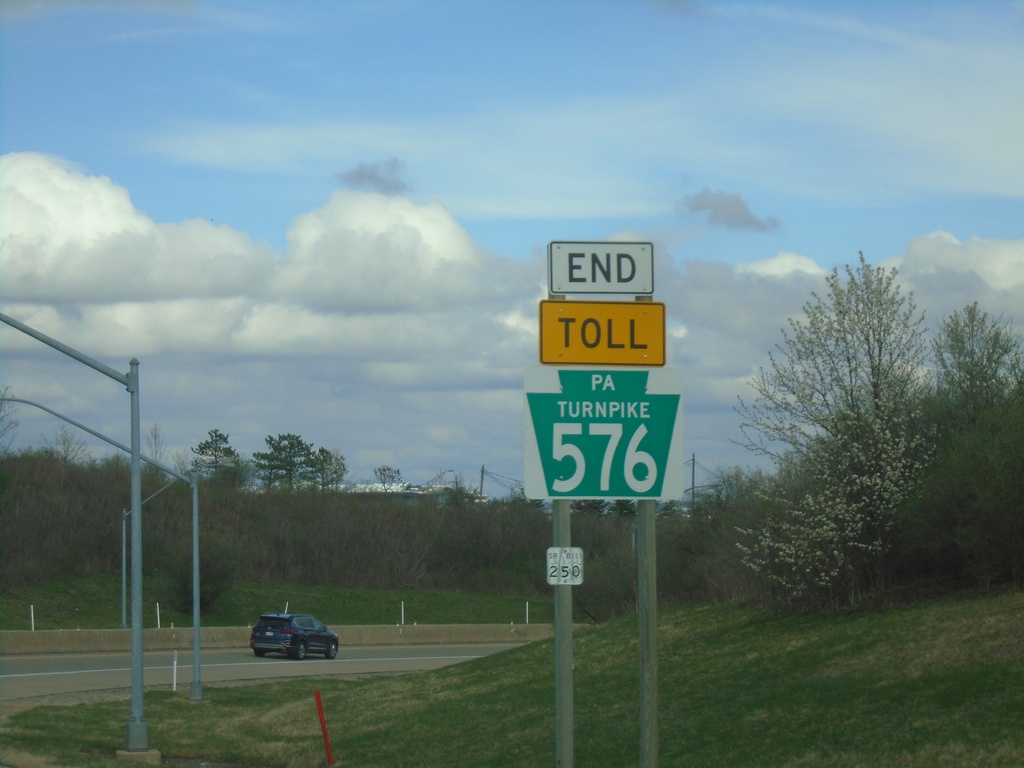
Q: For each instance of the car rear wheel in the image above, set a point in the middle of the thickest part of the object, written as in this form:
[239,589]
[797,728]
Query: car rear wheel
[259,652]
[300,650]
[332,649]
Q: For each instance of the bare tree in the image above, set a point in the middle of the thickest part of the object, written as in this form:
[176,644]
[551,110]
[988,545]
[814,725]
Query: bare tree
[8,420]
[388,477]
[67,446]
[182,463]
[155,443]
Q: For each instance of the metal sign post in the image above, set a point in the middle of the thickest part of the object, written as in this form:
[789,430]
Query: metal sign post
[648,589]
[563,645]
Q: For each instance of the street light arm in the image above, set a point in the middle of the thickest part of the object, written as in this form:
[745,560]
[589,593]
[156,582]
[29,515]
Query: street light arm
[106,370]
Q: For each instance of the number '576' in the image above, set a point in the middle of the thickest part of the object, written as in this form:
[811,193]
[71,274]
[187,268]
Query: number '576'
[634,456]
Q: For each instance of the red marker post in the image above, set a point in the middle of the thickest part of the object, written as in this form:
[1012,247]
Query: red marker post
[323,727]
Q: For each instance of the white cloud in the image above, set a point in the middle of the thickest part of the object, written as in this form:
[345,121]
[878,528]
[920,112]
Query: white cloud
[370,252]
[55,203]
[1000,263]
[69,237]
[364,273]
[750,304]
[780,265]
[946,274]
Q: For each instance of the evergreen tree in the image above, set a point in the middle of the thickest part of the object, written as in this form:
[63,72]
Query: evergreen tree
[287,463]
[327,468]
[216,459]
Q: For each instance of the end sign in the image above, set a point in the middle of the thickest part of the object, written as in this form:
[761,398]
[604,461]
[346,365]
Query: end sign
[601,267]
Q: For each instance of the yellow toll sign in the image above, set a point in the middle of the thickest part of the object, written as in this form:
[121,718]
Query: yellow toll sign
[602,333]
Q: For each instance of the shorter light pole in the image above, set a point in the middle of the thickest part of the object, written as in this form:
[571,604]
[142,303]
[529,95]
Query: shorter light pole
[196,689]
[137,727]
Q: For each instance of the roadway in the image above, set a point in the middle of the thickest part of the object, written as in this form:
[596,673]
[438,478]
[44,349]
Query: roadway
[24,679]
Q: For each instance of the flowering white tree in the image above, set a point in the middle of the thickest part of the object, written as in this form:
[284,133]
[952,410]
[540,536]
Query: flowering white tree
[839,399]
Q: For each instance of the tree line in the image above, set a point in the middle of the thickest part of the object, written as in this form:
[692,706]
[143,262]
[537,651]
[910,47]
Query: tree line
[63,519]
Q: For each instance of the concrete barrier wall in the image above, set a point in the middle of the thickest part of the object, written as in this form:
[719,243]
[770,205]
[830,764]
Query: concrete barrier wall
[443,633]
[101,640]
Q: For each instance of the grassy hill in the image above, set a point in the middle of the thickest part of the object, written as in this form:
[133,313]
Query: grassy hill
[936,684]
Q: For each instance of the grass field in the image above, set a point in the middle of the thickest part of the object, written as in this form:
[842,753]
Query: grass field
[936,684]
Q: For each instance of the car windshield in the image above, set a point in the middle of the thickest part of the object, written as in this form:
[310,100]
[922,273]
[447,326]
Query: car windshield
[271,622]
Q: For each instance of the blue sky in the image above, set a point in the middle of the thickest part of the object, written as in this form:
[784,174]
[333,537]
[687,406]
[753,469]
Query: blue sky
[391,173]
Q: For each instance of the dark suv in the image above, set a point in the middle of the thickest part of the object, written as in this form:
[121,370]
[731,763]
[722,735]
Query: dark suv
[295,634]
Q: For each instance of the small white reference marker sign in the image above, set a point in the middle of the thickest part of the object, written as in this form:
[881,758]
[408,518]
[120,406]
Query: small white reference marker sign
[565,565]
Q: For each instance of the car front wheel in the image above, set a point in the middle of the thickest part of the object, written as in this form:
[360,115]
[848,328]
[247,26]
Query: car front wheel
[332,649]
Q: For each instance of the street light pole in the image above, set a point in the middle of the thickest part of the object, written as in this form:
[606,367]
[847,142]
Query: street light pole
[138,728]
[138,733]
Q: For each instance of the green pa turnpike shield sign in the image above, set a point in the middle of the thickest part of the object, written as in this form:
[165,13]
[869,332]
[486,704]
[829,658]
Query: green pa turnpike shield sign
[613,434]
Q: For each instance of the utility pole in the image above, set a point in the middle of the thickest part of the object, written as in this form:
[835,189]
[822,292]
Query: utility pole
[693,475]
